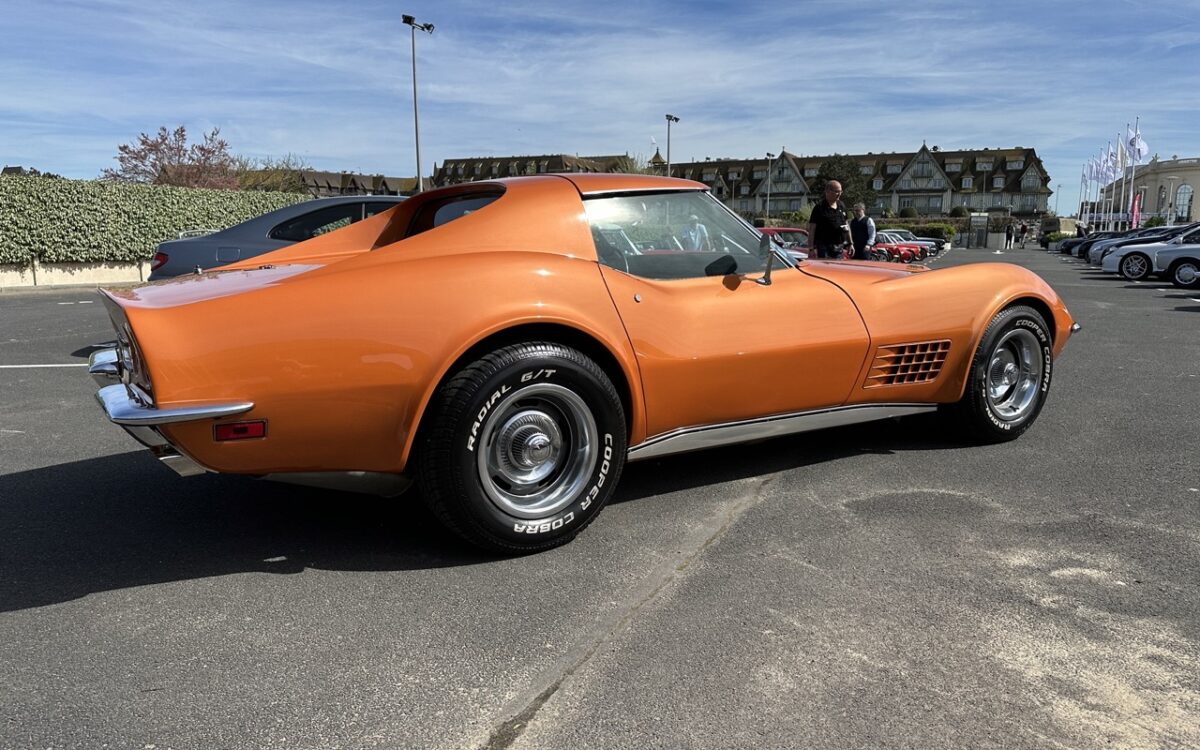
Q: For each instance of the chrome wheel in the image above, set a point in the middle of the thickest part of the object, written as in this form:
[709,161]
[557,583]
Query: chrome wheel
[1186,274]
[537,449]
[1134,267]
[1014,374]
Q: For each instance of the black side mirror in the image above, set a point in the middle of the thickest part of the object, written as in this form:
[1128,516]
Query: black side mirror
[722,266]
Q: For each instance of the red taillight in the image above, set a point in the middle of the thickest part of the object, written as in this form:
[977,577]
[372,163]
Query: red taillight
[158,261]
[240,430]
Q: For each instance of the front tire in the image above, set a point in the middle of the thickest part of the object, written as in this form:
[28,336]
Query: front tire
[1009,377]
[1135,266]
[1185,274]
[522,448]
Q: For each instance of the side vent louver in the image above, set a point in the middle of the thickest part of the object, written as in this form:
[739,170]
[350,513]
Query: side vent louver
[902,364]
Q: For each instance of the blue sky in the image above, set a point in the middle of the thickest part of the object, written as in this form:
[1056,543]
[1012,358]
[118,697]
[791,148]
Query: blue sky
[331,81]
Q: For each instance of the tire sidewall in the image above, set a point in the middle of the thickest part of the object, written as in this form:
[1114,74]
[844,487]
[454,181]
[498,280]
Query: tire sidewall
[510,379]
[1009,320]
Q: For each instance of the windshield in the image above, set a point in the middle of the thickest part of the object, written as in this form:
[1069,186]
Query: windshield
[793,237]
[672,235]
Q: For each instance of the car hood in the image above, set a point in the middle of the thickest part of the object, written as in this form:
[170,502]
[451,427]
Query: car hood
[849,273]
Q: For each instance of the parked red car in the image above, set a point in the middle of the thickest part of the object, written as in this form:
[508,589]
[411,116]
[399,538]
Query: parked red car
[898,252]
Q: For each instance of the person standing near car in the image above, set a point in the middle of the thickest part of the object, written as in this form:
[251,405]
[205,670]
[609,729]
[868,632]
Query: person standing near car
[1008,237]
[1024,231]
[827,225]
[862,232]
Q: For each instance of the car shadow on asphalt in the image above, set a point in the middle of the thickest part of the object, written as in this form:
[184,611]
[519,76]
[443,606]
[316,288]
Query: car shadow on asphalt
[123,520]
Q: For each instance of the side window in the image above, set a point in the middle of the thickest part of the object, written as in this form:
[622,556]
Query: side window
[376,207]
[317,222]
[447,210]
[672,236]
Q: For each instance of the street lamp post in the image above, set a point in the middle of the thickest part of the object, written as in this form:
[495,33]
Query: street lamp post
[670,119]
[428,29]
[767,213]
[1171,199]
[1057,190]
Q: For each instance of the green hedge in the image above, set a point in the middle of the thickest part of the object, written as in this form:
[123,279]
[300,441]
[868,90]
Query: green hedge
[59,221]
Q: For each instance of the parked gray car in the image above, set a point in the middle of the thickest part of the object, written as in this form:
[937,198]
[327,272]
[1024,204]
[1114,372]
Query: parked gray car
[1179,264]
[271,231]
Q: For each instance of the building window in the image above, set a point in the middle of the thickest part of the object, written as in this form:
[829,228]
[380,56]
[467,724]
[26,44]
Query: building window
[709,176]
[1030,182]
[877,185]
[479,168]
[735,174]
[997,199]
[743,205]
[906,202]
[879,202]
[968,183]
[461,168]
[1183,202]
[894,168]
[906,184]
[867,170]
[1016,164]
[810,171]
[922,169]
[794,205]
[543,165]
[953,166]
[937,183]
[760,173]
[1028,202]
[997,182]
[984,166]
[935,201]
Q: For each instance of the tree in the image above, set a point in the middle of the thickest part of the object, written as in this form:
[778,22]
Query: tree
[959,211]
[635,164]
[1154,221]
[30,172]
[908,212]
[855,187]
[283,174]
[167,159]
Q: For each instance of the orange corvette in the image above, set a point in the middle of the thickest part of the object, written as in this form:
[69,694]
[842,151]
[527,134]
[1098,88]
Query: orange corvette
[509,345]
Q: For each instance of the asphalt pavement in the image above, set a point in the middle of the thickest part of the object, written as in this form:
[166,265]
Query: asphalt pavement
[878,586]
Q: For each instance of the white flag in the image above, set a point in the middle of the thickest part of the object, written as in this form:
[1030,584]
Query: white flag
[1137,147]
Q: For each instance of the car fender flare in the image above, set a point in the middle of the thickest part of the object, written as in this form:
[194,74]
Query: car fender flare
[616,358]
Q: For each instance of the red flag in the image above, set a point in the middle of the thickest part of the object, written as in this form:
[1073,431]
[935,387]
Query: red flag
[1135,213]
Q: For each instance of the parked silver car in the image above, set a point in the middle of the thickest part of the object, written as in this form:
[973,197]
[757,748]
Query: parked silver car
[1136,262]
[271,231]
[1179,264]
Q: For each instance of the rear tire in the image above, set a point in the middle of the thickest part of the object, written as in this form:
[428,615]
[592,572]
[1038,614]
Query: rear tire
[1009,377]
[522,448]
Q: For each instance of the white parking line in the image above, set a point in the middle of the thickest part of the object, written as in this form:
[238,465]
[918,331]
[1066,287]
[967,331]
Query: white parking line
[33,367]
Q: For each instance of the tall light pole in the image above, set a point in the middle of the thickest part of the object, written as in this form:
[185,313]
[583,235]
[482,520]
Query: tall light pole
[767,213]
[428,29]
[670,119]
[1171,199]
[1057,190]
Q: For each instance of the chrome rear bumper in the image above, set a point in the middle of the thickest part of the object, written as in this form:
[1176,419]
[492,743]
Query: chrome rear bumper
[129,407]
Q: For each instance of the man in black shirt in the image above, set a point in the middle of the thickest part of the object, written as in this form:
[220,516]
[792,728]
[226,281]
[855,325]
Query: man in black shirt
[827,227]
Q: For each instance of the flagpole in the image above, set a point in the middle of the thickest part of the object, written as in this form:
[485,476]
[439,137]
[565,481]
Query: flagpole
[1122,155]
[1137,158]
